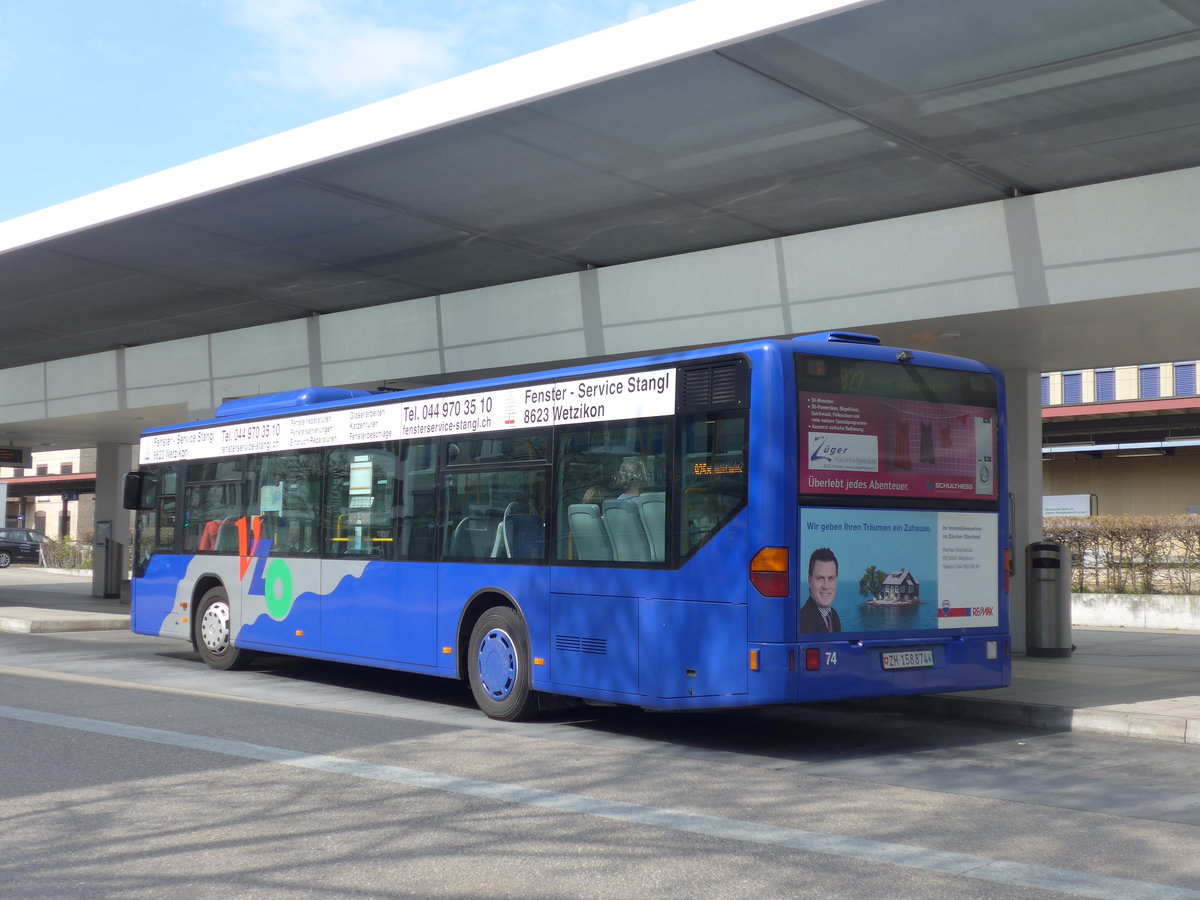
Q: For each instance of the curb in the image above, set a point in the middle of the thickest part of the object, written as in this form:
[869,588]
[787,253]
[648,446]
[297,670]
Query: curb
[23,620]
[1117,723]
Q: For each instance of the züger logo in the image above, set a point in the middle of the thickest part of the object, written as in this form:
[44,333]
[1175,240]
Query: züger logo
[824,449]
[843,452]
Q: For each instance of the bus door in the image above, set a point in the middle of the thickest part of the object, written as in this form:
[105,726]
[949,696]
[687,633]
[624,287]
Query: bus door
[378,578]
[612,481]
[494,494]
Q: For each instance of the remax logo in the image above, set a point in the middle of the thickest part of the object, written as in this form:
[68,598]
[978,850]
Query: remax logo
[843,452]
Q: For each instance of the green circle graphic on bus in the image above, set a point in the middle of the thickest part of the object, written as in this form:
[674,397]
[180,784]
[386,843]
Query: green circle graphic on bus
[278,588]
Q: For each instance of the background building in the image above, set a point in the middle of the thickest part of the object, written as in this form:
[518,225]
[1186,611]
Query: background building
[56,495]
[1129,435]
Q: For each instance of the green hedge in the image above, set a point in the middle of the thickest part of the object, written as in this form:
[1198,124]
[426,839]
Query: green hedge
[1130,554]
[67,554]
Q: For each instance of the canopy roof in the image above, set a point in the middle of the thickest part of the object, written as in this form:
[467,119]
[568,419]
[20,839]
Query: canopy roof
[682,131]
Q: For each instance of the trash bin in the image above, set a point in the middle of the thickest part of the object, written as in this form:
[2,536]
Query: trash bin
[114,567]
[1048,598]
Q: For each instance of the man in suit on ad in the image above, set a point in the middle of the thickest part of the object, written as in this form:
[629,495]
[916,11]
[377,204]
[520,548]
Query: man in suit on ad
[817,614]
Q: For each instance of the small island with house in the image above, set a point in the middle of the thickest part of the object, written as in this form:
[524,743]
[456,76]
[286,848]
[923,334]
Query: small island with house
[898,588]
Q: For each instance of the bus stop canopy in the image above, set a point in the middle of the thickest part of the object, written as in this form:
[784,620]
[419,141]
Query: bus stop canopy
[683,131]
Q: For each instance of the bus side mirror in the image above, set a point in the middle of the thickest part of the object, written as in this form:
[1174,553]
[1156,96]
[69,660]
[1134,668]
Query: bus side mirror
[141,490]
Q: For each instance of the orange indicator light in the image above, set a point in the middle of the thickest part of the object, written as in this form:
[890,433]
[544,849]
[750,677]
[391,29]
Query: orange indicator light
[769,571]
[539,661]
[753,660]
[448,651]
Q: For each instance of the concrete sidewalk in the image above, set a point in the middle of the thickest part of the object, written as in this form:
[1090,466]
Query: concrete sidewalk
[1119,681]
[1128,682]
[45,601]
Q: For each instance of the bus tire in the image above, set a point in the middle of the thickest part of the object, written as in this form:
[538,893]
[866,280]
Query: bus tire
[212,630]
[498,662]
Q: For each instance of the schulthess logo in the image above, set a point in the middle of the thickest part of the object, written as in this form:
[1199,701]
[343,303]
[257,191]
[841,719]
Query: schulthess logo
[843,452]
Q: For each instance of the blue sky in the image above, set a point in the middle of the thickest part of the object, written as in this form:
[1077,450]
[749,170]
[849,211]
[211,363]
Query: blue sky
[99,93]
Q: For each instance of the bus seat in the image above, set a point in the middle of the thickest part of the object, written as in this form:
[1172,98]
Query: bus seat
[500,543]
[523,535]
[625,528]
[227,538]
[470,537]
[588,533]
[653,509]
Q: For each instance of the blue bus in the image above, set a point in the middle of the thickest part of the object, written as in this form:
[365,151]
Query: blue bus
[765,523]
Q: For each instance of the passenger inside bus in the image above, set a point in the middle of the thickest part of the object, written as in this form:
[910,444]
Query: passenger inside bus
[631,478]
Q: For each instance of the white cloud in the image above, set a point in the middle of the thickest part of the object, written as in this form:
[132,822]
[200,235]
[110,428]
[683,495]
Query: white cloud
[338,48]
[364,49]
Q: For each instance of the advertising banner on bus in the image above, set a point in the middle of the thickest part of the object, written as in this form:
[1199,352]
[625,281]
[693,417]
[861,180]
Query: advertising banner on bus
[888,447]
[898,570]
[624,395]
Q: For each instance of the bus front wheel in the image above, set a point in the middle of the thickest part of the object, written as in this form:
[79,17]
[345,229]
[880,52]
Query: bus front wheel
[498,665]
[213,631]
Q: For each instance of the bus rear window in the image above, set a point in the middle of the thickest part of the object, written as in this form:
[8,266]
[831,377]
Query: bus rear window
[896,431]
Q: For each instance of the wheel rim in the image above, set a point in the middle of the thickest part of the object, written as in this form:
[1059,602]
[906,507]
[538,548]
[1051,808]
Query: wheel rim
[214,627]
[497,664]
[5,559]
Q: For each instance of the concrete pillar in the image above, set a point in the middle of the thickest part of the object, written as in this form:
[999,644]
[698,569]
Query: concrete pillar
[112,462]
[1024,484]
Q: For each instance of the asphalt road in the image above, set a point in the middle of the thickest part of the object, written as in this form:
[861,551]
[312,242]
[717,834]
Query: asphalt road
[129,770]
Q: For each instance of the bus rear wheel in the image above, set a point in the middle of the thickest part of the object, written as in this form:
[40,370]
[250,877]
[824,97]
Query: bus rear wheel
[213,632]
[498,666]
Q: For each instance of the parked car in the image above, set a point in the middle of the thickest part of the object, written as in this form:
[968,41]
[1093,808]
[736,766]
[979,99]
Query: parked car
[20,545]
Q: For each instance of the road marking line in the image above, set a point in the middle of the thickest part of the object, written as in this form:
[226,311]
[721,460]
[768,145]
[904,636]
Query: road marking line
[966,865]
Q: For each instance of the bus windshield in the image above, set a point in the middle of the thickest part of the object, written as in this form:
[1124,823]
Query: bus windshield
[895,432]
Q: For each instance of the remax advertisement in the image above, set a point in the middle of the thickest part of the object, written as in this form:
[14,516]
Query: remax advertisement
[897,570]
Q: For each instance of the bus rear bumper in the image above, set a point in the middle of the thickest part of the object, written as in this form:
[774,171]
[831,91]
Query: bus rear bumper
[844,669]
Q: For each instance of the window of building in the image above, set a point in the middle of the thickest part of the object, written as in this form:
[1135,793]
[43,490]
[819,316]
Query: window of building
[1185,379]
[1045,390]
[66,468]
[1106,385]
[1148,382]
[1072,387]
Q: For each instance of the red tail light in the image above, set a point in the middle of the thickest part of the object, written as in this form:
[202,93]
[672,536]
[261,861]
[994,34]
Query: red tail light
[769,571]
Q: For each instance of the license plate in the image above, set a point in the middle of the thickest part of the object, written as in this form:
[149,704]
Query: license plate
[907,659]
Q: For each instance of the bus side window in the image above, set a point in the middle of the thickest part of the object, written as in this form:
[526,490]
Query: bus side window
[713,474]
[213,503]
[156,526]
[496,515]
[612,492]
[360,501]
[284,490]
[417,500]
